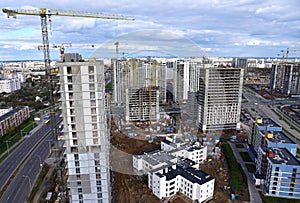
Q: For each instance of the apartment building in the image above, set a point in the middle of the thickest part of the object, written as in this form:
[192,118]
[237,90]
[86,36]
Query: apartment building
[219,98]
[82,90]
[276,164]
[13,118]
[193,183]
[10,85]
[142,105]
[285,77]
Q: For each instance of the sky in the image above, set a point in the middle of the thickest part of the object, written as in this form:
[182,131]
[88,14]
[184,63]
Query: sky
[180,28]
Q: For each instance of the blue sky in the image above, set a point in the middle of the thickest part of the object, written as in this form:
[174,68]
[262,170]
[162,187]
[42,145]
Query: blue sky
[245,28]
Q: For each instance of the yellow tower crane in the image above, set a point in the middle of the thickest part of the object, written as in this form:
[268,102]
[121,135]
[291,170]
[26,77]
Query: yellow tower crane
[46,14]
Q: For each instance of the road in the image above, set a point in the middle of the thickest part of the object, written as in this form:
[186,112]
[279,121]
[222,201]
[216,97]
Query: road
[21,186]
[260,104]
[9,166]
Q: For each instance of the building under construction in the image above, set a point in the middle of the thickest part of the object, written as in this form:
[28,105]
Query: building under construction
[85,130]
[135,74]
[285,78]
[218,99]
[142,104]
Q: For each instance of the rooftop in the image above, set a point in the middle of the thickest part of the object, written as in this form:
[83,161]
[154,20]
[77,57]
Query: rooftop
[10,113]
[283,156]
[191,174]
[156,157]
[280,137]
[268,122]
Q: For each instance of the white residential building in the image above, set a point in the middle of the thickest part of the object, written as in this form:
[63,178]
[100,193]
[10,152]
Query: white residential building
[85,130]
[5,110]
[193,183]
[10,85]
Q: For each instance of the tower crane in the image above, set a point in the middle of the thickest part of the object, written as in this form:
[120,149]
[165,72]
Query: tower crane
[63,46]
[45,14]
[285,55]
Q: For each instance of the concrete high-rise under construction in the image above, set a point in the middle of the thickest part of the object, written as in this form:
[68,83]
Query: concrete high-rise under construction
[218,99]
[85,130]
[285,77]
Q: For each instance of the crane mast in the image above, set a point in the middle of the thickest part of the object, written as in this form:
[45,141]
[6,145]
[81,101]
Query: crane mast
[44,14]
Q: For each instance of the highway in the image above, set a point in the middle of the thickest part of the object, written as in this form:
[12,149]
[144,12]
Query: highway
[260,104]
[29,170]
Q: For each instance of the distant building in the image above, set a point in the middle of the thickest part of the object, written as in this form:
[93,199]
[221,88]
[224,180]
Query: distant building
[10,85]
[286,78]
[142,105]
[5,110]
[13,118]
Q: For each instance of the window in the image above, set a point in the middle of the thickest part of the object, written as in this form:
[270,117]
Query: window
[95,134]
[98,182]
[91,78]
[69,70]
[78,177]
[74,135]
[76,156]
[69,78]
[79,183]
[74,149]
[91,69]
[98,176]
[79,190]
[93,111]
[77,163]
[99,189]
[99,195]
[75,142]
[80,196]
[93,103]
[70,87]
[77,170]
[94,118]
[92,87]
[92,95]
[94,126]
[95,141]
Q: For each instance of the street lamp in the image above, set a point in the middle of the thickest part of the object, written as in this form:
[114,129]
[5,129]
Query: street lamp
[7,147]
[30,186]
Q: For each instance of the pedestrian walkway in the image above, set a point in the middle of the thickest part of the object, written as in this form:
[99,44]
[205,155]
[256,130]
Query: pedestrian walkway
[254,195]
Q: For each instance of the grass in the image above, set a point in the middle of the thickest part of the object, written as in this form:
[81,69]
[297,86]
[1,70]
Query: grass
[268,199]
[245,156]
[238,178]
[253,109]
[239,146]
[298,150]
[251,168]
[14,135]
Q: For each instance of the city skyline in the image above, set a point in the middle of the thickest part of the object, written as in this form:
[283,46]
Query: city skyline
[228,28]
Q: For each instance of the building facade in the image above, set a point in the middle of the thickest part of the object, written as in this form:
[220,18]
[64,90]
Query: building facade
[85,130]
[13,118]
[219,98]
[10,85]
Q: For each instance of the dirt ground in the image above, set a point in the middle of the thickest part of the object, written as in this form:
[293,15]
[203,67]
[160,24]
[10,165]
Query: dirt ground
[130,188]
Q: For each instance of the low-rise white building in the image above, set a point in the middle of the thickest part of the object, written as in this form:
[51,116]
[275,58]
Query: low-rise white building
[194,152]
[148,161]
[4,110]
[193,183]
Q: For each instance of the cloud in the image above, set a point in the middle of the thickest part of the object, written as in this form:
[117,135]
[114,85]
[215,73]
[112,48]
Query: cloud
[221,27]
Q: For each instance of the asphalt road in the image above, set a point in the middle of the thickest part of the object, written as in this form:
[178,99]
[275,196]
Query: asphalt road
[261,106]
[30,167]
